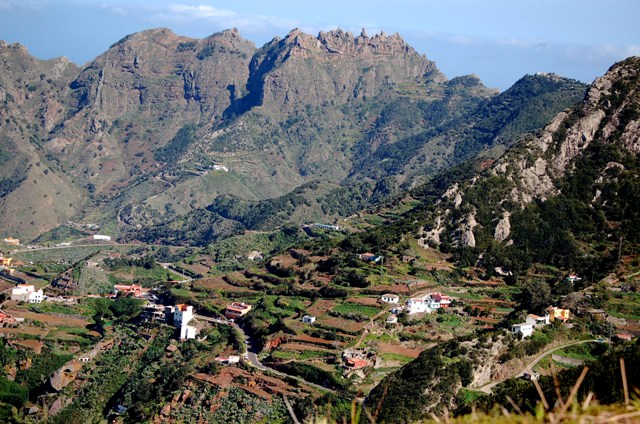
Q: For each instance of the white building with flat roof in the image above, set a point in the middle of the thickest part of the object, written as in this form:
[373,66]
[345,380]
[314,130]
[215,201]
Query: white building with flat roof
[417,305]
[27,293]
[390,298]
[525,329]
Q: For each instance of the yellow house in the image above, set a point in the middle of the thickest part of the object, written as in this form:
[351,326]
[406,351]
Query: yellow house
[5,261]
[558,313]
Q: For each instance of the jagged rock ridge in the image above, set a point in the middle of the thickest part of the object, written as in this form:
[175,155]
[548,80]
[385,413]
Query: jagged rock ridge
[160,126]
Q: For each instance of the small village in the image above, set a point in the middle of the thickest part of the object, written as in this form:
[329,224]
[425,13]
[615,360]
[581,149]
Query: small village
[354,335]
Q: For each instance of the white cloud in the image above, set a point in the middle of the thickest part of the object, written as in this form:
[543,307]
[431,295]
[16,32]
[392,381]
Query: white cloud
[25,4]
[200,11]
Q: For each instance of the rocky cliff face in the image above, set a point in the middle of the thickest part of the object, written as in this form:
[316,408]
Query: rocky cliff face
[535,169]
[333,67]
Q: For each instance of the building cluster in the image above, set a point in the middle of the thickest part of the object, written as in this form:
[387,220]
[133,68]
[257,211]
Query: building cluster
[355,358]
[533,321]
[326,226]
[369,257]
[180,316]
[427,303]
[255,255]
[27,293]
[228,360]
[4,261]
[6,318]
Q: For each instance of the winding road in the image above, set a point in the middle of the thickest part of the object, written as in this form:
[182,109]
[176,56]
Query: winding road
[252,357]
[529,367]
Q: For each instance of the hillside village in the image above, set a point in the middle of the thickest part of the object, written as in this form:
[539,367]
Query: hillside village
[382,244]
[285,320]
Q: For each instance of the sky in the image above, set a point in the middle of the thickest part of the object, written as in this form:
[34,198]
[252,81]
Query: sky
[498,40]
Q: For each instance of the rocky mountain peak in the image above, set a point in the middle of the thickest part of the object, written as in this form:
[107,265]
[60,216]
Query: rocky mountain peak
[343,42]
[12,48]
[334,66]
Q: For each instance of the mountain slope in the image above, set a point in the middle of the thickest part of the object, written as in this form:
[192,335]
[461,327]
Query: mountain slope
[568,197]
[35,192]
[585,158]
[160,126]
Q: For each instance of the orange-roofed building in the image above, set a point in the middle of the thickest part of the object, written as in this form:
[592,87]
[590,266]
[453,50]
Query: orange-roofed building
[237,309]
[5,318]
[134,289]
[355,363]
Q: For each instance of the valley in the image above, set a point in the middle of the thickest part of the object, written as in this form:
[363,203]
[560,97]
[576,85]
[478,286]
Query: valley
[322,229]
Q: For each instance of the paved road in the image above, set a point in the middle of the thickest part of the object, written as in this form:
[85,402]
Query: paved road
[529,367]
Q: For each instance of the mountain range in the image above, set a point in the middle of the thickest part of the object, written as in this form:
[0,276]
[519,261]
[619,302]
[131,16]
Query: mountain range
[165,138]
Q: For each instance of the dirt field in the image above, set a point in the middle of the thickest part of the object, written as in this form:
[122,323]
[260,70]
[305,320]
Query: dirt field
[320,307]
[49,319]
[217,283]
[257,383]
[368,301]
[33,331]
[393,288]
[5,285]
[401,350]
[341,323]
[303,347]
[285,260]
[197,268]
[317,340]
[34,345]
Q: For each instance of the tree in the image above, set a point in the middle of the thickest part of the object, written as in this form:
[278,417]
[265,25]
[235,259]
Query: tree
[126,306]
[535,296]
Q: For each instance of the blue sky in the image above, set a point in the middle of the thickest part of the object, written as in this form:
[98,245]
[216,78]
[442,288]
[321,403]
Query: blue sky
[499,40]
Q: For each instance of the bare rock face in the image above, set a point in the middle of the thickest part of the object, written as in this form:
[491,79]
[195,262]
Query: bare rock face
[503,228]
[608,113]
[334,67]
[467,238]
[65,375]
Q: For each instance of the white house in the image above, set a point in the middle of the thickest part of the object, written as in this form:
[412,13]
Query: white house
[392,319]
[27,293]
[525,329]
[101,237]
[443,300]
[536,320]
[255,255]
[432,303]
[390,298]
[309,319]
[417,305]
[181,317]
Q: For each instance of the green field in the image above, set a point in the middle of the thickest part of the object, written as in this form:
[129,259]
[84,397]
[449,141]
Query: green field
[349,308]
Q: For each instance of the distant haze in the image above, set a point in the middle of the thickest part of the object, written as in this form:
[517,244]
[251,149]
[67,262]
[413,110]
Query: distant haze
[499,40]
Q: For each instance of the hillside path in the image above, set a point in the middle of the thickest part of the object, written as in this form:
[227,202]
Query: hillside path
[528,369]
[252,357]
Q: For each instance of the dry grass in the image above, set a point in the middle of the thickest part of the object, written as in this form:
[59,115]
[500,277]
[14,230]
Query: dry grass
[50,319]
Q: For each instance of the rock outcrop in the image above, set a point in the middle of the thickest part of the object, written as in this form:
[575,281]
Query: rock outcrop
[532,171]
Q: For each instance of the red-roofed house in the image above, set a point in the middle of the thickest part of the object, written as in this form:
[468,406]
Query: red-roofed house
[355,363]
